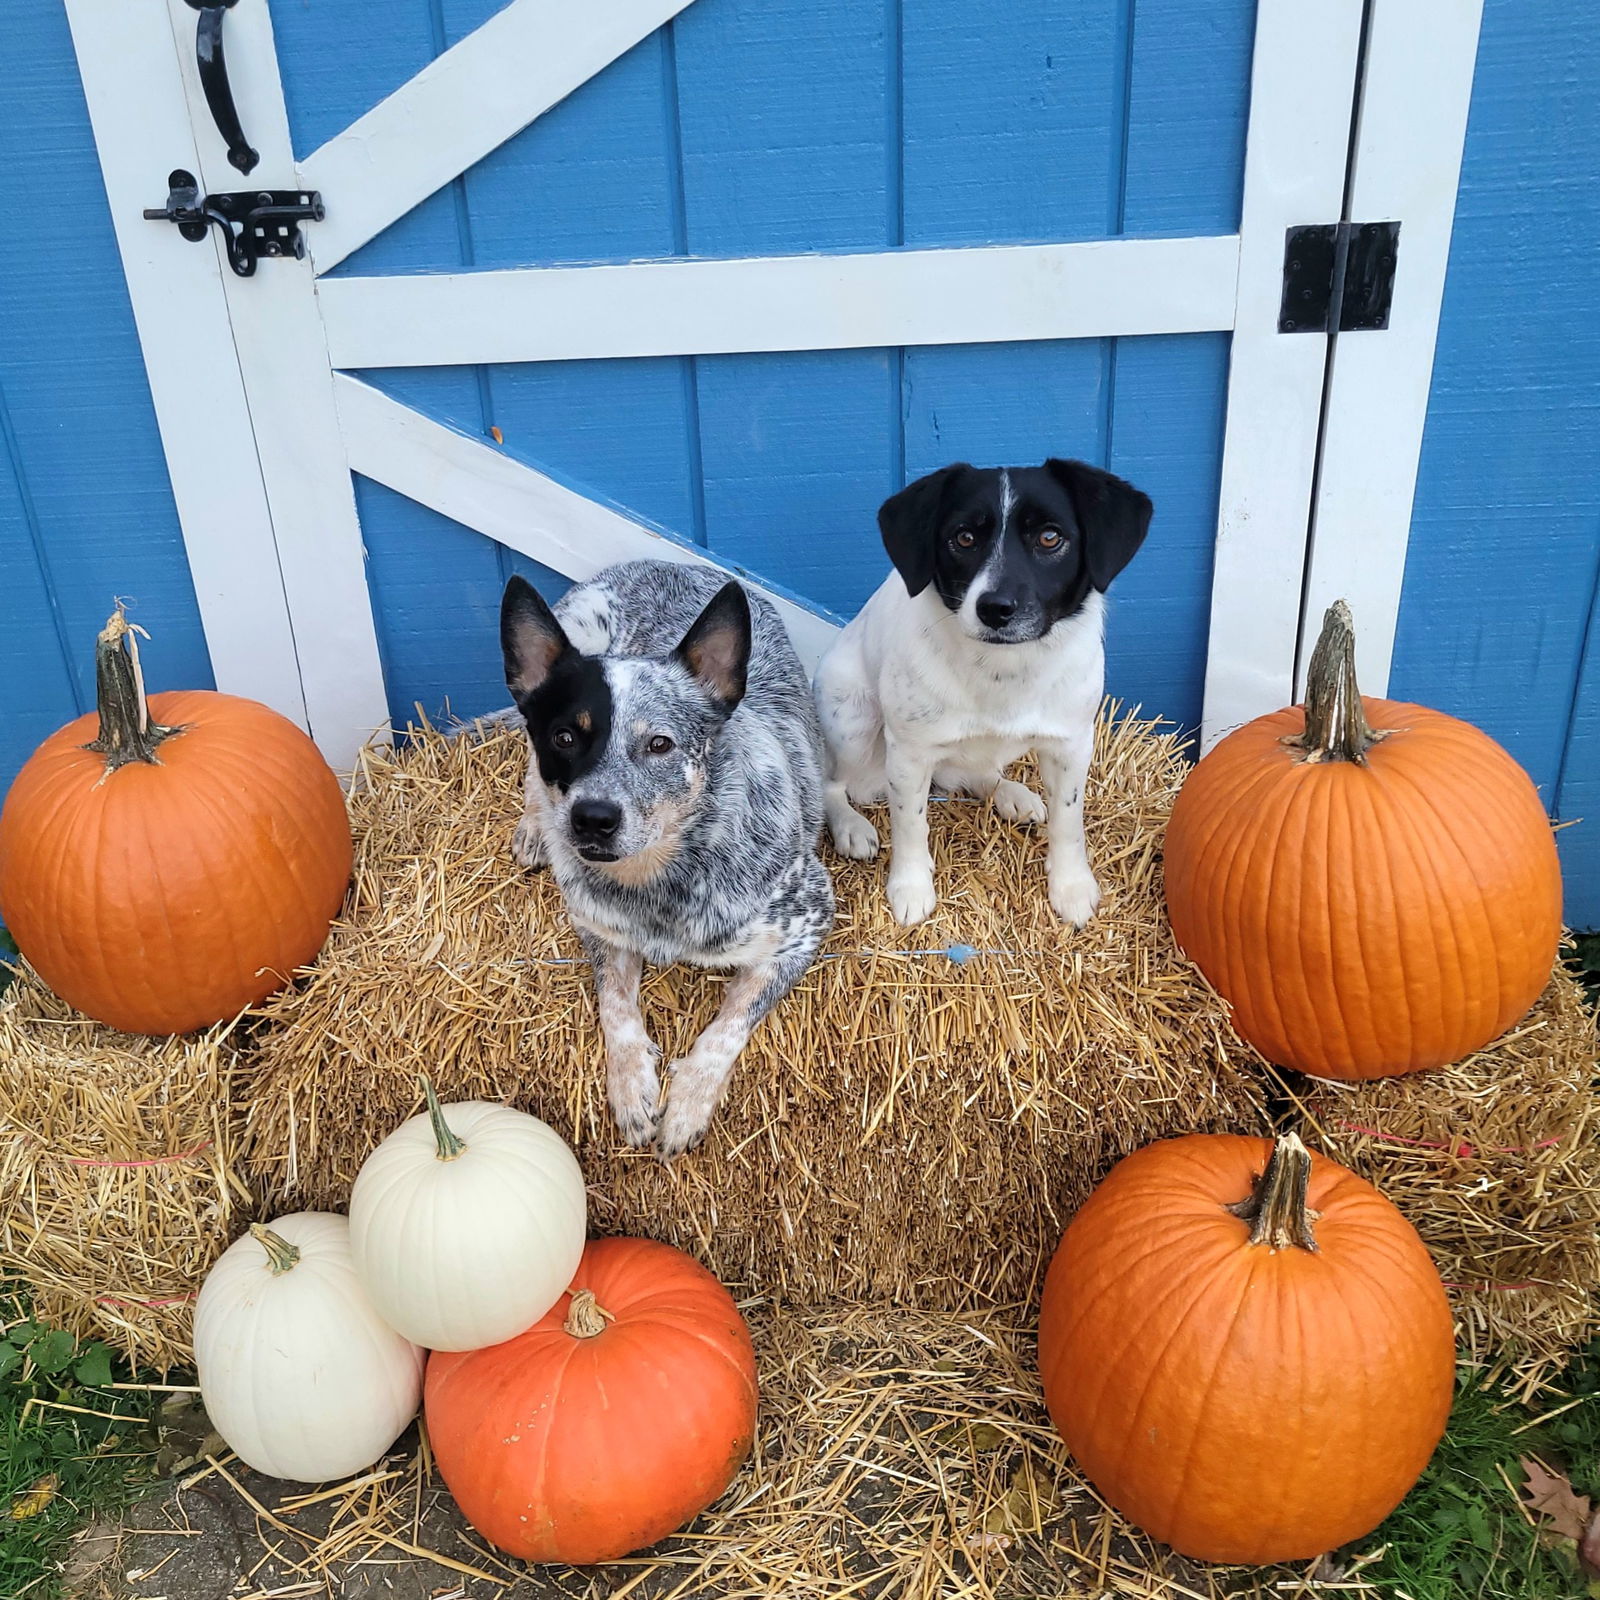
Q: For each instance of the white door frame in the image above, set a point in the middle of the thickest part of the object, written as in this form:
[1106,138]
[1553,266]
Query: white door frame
[262,429]
[1407,165]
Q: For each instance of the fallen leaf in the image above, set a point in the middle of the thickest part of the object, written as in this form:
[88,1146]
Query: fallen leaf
[976,1435]
[1552,1496]
[497,436]
[35,1500]
[1589,1546]
[1023,1508]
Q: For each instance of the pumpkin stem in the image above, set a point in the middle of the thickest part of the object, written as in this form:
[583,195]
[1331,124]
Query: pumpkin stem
[1277,1211]
[586,1317]
[449,1146]
[126,731]
[281,1255]
[1336,720]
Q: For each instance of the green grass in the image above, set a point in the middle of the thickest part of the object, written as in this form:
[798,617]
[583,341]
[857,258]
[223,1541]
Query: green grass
[1459,1535]
[1582,955]
[58,1468]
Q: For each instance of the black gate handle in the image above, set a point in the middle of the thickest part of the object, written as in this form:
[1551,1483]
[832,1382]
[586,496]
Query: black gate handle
[214,80]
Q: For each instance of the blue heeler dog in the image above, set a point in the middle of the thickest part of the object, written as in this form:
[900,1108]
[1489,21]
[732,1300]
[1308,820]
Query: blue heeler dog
[675,788]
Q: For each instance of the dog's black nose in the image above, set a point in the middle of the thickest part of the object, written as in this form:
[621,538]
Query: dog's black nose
[995,610]
[595,819]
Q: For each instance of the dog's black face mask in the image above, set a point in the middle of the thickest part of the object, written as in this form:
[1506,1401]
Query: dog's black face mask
[622,743]
[1013,550]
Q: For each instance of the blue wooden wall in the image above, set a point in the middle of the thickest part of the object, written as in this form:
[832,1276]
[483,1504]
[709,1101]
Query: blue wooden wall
[1498,620]
[86,511]
[756,125]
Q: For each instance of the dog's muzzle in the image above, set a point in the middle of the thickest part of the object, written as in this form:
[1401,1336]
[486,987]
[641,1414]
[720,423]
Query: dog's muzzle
[594,825]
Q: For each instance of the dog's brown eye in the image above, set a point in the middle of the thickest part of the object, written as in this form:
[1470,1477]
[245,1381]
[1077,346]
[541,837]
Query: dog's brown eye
[1049,538]
[965,538]
[661,745]
[563,739]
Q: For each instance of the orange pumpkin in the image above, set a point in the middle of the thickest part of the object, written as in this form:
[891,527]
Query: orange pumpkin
[1372,886]
[1252,1365]
[608,1424]
[164,864]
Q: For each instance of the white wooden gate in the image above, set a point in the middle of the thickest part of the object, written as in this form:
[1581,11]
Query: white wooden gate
[1355,112]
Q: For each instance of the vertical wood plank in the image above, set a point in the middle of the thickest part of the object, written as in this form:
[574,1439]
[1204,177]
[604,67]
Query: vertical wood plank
[1414,97]
[130,72]
[1186,106]
[1497,617]
[783,113]
[1505,530]
[1165,435]
[1004,404]
[41,692]
[590,180]
[1188,102]
[1009,126]
[1295,158]
[336,62]
[595,179]
[283,359]
[797,462]
[612,429]
[435,586]
[1576,792]
[436,591]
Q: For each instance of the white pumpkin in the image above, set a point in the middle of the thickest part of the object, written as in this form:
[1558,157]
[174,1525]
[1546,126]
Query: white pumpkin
[297,1370]
[467,1223]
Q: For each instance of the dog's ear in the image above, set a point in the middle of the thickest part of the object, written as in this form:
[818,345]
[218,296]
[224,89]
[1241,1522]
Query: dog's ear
[716,649]
[909,523]
[531,639]
[1113,515]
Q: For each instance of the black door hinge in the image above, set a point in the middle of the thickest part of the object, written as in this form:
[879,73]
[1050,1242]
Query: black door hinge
[253,223]
[1345,264]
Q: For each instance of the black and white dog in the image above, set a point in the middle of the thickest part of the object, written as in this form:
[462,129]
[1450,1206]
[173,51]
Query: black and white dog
[983,644]
[675,788]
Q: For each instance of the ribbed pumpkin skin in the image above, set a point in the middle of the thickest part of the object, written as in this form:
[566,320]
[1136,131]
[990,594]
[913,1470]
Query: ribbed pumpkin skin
[168,897]
[1368,920]
[297,1371]
[1240,1403]
[462,1254]
[560,1448]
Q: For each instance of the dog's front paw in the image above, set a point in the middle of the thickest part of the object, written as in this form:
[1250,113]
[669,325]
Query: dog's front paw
[687,1119]
[527,844]
[634,1092]
[911,895]
[1074,895]
[854,836]
[1016,802]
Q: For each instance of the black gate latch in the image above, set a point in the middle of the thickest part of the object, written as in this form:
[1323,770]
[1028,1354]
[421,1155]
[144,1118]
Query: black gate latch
[1345,264]
[255,223]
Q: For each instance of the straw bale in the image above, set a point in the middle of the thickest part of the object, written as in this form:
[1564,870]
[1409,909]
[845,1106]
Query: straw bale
[915,1122]
[118,1178]
[1496,1161]
[899,1453]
